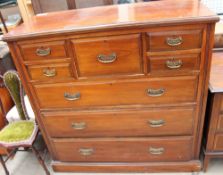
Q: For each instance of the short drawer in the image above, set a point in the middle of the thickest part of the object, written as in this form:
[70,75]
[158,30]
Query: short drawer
[218,142]
[50,71]
[43,50]
[159,122]
[173,64]
[123,149]
[111,55]
[117,92]
[174,40]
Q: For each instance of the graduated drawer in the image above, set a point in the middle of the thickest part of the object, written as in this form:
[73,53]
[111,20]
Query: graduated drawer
[50,71]
[43,50]
[174,40]
[123,149]
[110,55]
[117,92]
[174,64]
[120,123]
[218,142]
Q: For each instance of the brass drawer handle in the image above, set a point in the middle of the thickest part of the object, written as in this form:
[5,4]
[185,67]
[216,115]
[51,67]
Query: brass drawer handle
[49,72]
[78,126]
[155,92]
[156,151]
[107,59]
[156,123]
[86,151]
[174,41]
[43,51]
[72,97]
[174,64]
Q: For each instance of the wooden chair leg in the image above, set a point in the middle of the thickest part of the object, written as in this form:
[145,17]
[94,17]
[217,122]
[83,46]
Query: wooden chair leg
[37,154]
[4,166]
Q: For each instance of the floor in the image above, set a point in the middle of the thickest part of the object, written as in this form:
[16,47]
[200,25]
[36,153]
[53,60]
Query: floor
[24,163]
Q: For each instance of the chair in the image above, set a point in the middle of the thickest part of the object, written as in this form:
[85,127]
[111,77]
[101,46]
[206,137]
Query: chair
[22,133]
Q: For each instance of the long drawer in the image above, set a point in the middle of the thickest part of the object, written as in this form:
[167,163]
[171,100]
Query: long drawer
[117,92]
[123,149]
[156,122]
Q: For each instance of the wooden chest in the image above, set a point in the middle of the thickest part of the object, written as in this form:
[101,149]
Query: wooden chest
[119,88]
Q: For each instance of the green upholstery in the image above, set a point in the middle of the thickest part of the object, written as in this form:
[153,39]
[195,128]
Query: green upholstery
[13,84]
[17,132]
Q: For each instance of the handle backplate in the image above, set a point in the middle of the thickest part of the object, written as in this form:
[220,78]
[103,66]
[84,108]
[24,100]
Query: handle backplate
[72,97]
[156,151]
[86,151]
[156,123]
[176,41]
[78,126]
[106,59]
[43,51]
[155,92]
[49,72]
[174,64]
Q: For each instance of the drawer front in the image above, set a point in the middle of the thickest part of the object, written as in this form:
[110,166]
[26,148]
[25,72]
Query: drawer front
[117,92]
[120,123]
[218,143]
[123,149]
[174,40]
[173,64]
[50,71]
[43,51]
[109,55]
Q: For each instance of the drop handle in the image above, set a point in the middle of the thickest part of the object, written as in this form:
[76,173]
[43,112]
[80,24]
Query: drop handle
[174,41]
[72,97]
[43,51]
[174,64]
[49,72]
[155,92]
[86,151]
[156,151]
[156,123]
[106,59]
[78,126]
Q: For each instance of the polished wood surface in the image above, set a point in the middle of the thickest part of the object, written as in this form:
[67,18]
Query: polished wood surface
[161,65]
[216,80]
[190,39]
[119,83]
[108,55]
[157,122]
[117,93]
[117,16]
[109,150]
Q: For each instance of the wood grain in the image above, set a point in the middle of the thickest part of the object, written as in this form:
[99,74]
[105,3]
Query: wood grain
[176,90]
[120,123]
[124,149]
[128,15]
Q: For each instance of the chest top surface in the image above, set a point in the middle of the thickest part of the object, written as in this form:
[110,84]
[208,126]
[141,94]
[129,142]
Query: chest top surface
[115,16]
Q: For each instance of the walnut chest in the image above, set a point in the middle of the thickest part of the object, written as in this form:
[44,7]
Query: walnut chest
[120,88]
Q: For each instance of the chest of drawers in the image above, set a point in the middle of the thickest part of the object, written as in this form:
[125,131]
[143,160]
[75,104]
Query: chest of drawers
[119,88]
